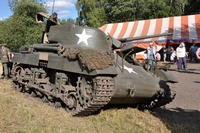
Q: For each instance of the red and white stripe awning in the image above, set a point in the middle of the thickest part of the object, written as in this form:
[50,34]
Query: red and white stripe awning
[183,28]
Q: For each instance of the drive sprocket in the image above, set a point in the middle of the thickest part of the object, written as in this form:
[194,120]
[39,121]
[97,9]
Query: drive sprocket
[163,99]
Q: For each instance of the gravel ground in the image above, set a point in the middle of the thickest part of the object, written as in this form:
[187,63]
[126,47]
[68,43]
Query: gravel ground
[185,108]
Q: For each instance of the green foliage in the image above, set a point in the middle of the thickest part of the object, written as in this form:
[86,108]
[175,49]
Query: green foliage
[121,10]
[91,12]
[25,6]
[124,10]
[20,32]
[68,21]
[96,13]
[177,7]
[192,7]
[21,29]
[156,9]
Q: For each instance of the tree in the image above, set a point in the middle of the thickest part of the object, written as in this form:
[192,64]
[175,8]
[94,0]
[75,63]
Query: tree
[91,12]
[177,7]
[131,10]
[155,9]
[68,21]
[126,10]
[192,7]
[112,11]
[2,31]
[21,29]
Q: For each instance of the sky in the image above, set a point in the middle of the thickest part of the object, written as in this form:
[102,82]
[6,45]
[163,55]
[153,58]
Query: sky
[64,8]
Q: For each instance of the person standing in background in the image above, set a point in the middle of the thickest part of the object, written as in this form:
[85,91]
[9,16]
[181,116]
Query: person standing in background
[54,17]
[186,56]
[5,59]
[151,58]
[158,57]
[170,50]
[198,53]
[181,56]
[164,53]
[173,57]
[191,53]
[194,53]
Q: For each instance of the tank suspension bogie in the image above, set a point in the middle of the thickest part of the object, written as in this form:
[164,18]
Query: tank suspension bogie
[89,95]
[64,90]
[36,81]
[83,97]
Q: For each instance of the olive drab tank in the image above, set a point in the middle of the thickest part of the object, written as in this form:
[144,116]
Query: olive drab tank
[77,68]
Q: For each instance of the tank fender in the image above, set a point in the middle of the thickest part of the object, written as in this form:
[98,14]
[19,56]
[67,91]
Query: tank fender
[166,76]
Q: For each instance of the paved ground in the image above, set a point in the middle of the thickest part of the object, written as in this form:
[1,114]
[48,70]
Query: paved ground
[186,106]
[188,88]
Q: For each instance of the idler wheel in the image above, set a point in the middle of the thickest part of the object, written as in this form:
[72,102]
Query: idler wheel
[17,72]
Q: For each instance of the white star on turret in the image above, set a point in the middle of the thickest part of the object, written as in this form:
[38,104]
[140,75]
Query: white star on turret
[83,37]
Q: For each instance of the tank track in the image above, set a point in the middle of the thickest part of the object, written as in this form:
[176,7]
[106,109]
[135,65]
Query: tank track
[168,97]
[103,93]
[103,90]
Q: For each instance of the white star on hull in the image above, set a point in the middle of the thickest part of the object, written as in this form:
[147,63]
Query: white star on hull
[130,70]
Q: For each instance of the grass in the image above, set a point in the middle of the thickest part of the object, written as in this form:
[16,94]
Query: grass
[21,114]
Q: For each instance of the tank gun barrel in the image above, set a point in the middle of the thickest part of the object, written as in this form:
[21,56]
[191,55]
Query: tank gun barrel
[43,48]
[129,39]
[47,47]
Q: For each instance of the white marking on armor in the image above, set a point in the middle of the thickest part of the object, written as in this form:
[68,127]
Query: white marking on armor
[130,70]
[83,37]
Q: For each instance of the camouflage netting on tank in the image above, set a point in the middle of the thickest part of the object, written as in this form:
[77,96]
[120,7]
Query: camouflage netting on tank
[71,53]
[94,59]
[91,59]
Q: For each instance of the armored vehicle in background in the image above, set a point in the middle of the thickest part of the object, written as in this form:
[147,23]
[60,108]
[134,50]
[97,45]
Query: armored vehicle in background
[77,68]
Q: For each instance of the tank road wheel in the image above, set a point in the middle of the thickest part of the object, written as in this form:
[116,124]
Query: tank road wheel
[17,73]
[92,94]
[71,103]
[86,90]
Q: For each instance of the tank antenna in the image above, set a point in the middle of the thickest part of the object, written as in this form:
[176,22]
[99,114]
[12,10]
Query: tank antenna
[53,6]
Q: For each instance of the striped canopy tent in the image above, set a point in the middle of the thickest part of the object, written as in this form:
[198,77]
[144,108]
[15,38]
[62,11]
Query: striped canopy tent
[183,28]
